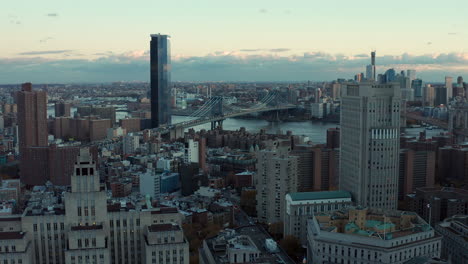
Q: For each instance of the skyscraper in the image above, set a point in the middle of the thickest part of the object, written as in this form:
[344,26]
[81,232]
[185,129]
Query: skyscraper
[411,74]
[370,135]
[369,72]
[417,85]
[390,75]
[160,80]
[276,176]
[373,65]
[449,87]
[32,117]
[62,109]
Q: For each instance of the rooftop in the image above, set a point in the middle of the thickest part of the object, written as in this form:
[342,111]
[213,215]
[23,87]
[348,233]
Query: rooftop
[303,196]
[372,223]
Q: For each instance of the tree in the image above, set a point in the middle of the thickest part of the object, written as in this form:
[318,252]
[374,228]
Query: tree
[248,202]
[291,245]
[276,230]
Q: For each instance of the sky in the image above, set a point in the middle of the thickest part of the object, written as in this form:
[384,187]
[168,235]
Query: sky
[215,40]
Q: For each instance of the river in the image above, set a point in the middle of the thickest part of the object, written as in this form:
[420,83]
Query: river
[315,130]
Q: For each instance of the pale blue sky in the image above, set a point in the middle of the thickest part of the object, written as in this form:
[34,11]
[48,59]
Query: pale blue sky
[88,30]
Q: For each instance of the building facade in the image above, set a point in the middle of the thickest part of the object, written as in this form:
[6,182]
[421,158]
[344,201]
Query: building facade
[276,176]
[455,241]
[62,109]
[160,59]
[435,204]
[82,226]
[32,117]
[369,140]
[301,206]
[366,236]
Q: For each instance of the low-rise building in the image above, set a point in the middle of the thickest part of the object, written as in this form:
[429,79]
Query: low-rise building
[455,239]
[240,245]
[301,206]
[361,235]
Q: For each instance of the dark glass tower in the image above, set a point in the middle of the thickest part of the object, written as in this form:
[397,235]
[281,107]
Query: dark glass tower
[160,57]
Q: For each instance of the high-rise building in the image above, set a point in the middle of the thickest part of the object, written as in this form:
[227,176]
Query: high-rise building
[32,117]
[390,76]
[62,109]
[449,87]
[429,95]
[160,80]
[373,65]
[437,203]
[417,86]
[440,96]
[104,112]
[411,74]
[417,169]
[83,226]
[192,152]
[460,81]
[370,137]
[369,72]
[276,176]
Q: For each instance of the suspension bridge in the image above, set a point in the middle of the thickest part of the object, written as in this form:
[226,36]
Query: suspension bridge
[216,110]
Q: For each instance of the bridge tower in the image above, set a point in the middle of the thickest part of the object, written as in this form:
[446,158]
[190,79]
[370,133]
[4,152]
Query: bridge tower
[217,111]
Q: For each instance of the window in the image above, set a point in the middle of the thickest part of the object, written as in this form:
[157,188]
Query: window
[93,210]
[79,210]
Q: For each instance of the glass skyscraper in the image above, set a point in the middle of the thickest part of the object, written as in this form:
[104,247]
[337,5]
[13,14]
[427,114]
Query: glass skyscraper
[160,57]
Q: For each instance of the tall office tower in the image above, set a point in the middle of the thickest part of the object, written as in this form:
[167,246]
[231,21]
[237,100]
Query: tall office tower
[390,75]
[62,109]
[369,72]
[32,117]
[370,137]
[160,58]
[429,95]
[460,81]
[411,74]
[373,65]
[417,86]
[276,176]
[449,87]
[86,207]
[440,96]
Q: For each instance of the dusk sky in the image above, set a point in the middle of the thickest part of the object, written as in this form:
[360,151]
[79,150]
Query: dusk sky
[212,40]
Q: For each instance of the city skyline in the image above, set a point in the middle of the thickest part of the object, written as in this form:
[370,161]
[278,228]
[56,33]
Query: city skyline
[283,43]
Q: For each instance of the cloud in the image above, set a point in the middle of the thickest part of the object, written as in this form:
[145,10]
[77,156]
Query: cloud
[263,10]
[44,52]
[250,50]
[279,50]
[224,66]
[45,39]
[452,33]
[52,15]
[361,55]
